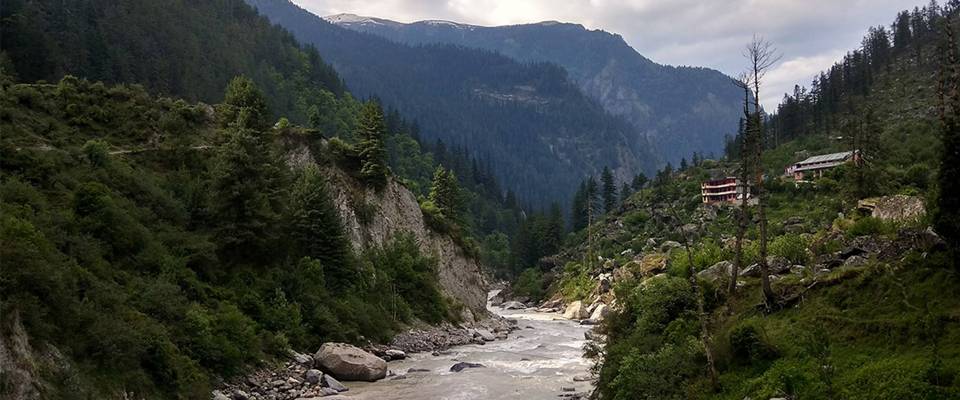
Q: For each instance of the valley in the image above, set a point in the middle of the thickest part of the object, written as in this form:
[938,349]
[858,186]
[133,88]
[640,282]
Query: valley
[247,200]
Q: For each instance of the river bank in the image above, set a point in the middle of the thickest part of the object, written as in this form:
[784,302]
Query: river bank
[543,359]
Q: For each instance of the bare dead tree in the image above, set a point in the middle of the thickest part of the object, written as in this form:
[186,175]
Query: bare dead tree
[701,310]
[761,56]
[742,81]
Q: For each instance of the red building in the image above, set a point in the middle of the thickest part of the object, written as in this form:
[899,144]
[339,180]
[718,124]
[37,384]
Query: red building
[728,189]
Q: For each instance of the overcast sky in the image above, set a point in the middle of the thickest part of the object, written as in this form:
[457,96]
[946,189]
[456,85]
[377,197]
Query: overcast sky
[810,34]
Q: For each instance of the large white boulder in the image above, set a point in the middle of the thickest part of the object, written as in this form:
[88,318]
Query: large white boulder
[349,363]
[576,310]
[600,312]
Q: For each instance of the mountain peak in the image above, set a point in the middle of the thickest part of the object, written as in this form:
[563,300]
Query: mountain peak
[351,19]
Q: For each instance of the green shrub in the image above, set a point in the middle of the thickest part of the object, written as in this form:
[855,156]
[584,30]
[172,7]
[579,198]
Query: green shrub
[792,247]
[896,378]
[530,284]
[575,283]
[748,344]
[870,226]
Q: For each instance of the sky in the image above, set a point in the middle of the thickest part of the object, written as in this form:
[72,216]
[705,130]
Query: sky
[810,35]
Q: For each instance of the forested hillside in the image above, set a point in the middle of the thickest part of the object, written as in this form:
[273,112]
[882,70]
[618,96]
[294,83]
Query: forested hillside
[153,246]
[159,45]
[541,134]
[841,287]
[682,110]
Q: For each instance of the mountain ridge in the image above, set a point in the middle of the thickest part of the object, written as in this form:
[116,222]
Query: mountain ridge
[482,100]
[682,109]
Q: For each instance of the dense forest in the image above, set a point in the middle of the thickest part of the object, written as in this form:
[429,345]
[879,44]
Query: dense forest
[681,110]
[157,244]
[528,120]
[144,42]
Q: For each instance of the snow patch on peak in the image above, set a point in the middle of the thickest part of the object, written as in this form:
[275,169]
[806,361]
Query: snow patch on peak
[354,19]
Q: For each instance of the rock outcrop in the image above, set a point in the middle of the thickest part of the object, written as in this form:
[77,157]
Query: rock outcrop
[394,210]
[373,216]
[349,363]
[894,208]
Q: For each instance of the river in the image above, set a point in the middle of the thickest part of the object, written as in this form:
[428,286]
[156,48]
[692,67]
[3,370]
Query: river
[538,361]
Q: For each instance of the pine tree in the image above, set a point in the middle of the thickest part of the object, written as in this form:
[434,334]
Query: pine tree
[245,178]
[371,130]
[947,218]
[317,228]
[624,193]
[609,190]
[445,193]
[579,210]
[244,106]
[243,192]
[639,181]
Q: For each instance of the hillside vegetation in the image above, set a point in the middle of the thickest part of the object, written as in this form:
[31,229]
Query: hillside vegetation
[863,304]
[154,246]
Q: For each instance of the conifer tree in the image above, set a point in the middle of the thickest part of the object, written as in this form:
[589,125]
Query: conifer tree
[609,190]
[445,193]
[624,193]
[579,211]
[243,195]
[371,130]
[947,218]
[317,228]
[244,105]
[639,181]
[245,178]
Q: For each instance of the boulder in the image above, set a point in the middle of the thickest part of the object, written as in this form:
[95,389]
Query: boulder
[328,381]
[240,395]
[484,334]
[930,240]
[778,265]
[653,263]
[460,366]
[894,208]
[600,312]
[555,303]
[349,363]
[302,359]
[395,354]
[313,376]
[854,261]
[798,269]
[669,245]
[575,310]
[752,271]
[720,270]
[218,395]
[497,297]
[513,305]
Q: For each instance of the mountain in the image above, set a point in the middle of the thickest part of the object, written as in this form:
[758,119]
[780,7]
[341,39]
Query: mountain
[534,125]
[681,109]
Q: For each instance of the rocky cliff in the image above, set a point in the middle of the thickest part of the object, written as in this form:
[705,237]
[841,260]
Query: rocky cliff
[372,217]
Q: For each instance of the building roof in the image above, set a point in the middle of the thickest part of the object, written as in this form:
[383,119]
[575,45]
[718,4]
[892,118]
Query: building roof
[827,158]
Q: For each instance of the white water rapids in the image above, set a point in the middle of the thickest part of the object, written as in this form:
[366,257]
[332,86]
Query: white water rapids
[538,361]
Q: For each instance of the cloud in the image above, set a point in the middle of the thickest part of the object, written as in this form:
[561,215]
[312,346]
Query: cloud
[811,34]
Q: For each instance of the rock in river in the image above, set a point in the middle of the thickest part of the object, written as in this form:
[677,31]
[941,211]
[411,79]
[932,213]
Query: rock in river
[349,363]
[460,366]
[513,305]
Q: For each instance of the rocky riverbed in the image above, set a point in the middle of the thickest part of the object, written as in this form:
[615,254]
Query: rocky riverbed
[543,359]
